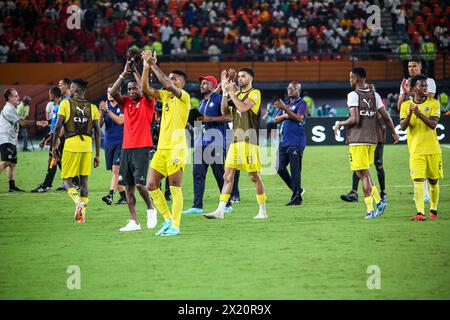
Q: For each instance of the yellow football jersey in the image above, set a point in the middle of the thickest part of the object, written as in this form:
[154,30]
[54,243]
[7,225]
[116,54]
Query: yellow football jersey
[422,140]
[255,96]
[175,114]
[75,144]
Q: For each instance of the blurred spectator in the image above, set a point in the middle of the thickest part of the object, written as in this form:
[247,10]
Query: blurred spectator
[23,110]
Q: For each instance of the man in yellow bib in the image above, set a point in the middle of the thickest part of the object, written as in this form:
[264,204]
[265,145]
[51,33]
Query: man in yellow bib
[170,157]
[80,119]
[243,153]
[420,116]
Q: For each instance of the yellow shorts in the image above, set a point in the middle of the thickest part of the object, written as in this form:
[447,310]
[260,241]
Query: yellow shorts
[361,157]
[426,166]
[243,156]
[168,162]
[75,164]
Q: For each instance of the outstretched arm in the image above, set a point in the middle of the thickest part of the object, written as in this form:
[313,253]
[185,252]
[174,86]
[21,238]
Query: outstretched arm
[147,90]
[162,77]
[116,87]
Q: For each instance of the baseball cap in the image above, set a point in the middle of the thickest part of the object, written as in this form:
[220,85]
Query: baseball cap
[209,78]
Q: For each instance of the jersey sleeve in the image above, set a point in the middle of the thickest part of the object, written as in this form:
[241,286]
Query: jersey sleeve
[379,101]
[303,108]
[185,98]
[431,84]
[404,109]
[255,96]
[352,99]
[94,112]
[435,109]
[11,115]
[64,110]
[163,95]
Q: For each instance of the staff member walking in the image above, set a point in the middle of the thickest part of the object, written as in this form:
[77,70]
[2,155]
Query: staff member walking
[292,115]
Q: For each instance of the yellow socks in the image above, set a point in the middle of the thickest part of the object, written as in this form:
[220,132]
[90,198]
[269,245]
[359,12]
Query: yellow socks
[375,194]
[369,203]
[73,193]
[86,201]
[224,197]
[160,203]
[177,205]
[261,198]
[419,196]
[434,196]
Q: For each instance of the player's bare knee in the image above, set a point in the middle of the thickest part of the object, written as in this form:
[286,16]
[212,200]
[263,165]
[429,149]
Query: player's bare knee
[433,181]
[254,177]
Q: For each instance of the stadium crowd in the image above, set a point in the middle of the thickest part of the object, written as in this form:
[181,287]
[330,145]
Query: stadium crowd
[36,31]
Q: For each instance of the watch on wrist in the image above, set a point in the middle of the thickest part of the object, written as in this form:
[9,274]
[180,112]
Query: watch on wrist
[107,111]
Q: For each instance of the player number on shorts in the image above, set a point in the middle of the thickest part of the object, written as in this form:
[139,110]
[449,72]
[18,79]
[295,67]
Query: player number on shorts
[250,159]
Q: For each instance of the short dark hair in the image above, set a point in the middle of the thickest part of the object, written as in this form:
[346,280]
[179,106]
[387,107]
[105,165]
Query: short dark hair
[248,70]
[180,73]
[55,91]
[416,61]
[66,81]
[417,78]
[360,72]
[81,83]
[8,93]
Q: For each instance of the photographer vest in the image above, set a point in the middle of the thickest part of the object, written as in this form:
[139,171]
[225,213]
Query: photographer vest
[80,119]
[245,124]
[365,132]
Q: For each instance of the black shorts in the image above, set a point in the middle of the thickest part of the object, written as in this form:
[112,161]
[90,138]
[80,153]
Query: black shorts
[378,158]
[8,152]
[112,155]
[134,165]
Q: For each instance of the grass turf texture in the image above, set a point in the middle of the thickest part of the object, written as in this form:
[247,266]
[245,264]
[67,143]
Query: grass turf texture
[320,250]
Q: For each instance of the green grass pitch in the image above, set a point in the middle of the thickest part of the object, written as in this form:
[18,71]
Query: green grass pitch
[321,250]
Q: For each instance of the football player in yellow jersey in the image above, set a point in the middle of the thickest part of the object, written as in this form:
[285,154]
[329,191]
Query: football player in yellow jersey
[80,119]
[243,153]
[420,116]
[170,157]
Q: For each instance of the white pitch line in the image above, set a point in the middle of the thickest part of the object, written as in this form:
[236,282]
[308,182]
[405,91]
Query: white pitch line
[212,189]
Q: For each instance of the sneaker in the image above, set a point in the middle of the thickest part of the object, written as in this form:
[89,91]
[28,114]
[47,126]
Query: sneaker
[434,215]
[122,201]
[81,220]
[164,227]
[79,210]
[235,199]
[172,231]
[41,189]
[228,210]
[381,206]
[261,215]
[302,191]
[131,226]
[108,199]
[295,201]
[192,210]
[213,215]
[152,218]
[383,196]
[370,215]
[15,189]
[350,197]
[418,217]
[61,188]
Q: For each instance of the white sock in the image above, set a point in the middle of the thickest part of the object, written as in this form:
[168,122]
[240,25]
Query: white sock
[150,210]
[426,190]
[221,207]
[262,208]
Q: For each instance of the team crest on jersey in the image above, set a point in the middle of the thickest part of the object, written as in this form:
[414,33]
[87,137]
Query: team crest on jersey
[211,104]
[138,105]
[255,96]
[427,109]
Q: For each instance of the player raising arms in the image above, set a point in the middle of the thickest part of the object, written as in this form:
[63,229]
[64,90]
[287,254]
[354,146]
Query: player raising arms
[170,157]
[420,116]
[363,104]
[243,153]
[80,119]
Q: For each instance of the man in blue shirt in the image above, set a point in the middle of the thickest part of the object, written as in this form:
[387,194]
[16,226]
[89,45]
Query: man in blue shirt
[292,115]
[55,96]
[209,142]
[112,116]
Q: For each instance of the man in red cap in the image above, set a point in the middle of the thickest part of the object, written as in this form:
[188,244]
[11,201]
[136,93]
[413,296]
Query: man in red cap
[209,142]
